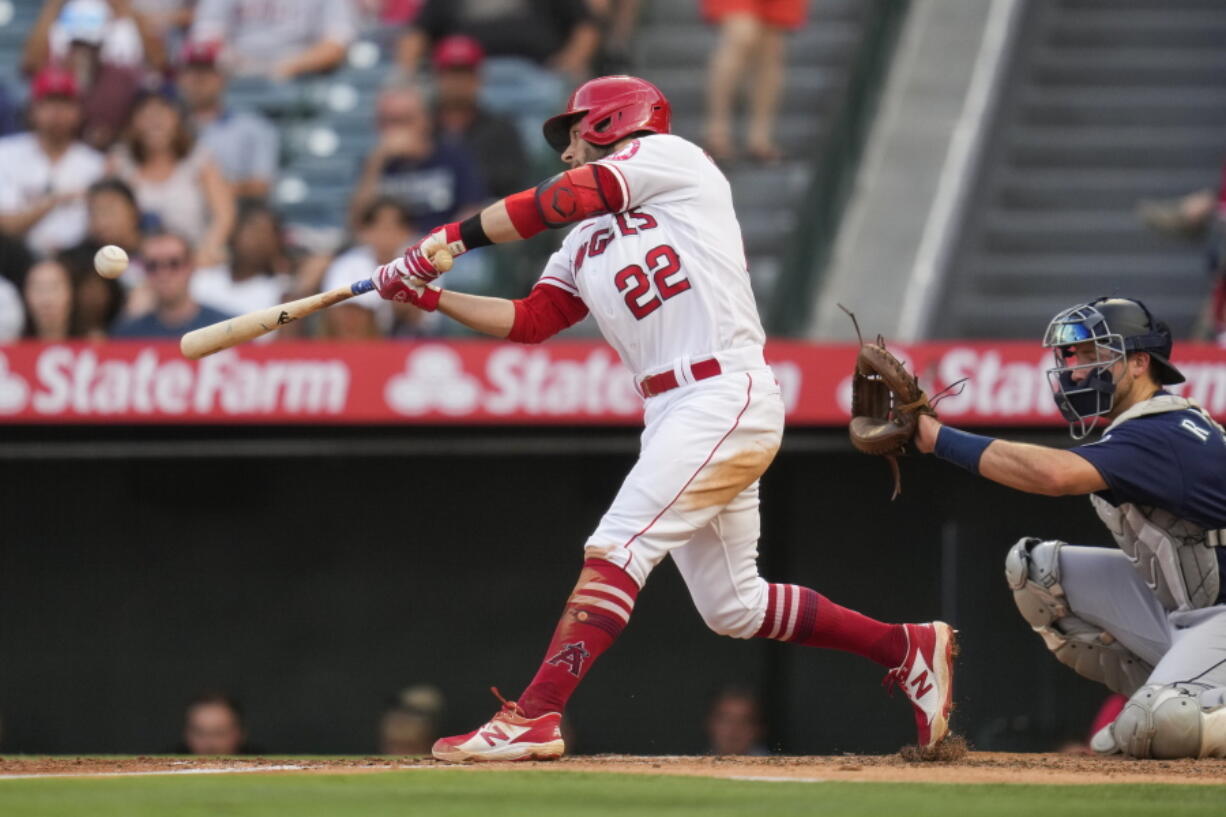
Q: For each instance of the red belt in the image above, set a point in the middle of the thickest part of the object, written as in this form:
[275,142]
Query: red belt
[666,381]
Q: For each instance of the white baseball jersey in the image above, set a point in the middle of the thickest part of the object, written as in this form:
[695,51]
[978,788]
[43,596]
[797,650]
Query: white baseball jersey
[26,175]
[666,279]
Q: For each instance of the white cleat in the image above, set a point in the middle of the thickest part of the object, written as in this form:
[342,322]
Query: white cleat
[1104,743]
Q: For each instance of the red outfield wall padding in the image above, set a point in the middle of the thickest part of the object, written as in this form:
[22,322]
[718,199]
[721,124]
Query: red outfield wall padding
[480,382]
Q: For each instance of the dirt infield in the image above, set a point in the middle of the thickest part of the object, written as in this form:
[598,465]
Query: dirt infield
[976,767]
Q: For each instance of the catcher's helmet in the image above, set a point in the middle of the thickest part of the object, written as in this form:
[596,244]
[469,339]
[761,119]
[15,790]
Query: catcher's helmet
[608,109]
[1117,326]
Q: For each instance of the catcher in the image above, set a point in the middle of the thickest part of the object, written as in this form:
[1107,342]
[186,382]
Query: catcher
[1148,619]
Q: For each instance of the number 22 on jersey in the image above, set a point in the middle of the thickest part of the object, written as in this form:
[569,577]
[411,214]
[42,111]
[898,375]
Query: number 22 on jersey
[646,290]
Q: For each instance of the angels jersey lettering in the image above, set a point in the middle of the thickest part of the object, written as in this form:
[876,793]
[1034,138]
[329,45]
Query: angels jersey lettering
[666,278]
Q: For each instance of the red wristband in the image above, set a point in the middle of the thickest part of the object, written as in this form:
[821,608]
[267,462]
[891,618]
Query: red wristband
[428,300]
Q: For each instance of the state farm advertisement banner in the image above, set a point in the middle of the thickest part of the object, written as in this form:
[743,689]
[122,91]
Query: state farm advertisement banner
[479,382]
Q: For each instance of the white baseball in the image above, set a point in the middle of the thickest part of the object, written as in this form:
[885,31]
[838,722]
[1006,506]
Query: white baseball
[110,261]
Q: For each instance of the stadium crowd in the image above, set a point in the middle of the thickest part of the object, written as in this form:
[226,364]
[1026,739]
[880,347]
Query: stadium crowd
[131,139]
[127,132]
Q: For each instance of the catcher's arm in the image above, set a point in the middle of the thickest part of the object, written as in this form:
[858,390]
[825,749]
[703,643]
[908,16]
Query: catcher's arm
[1035,469]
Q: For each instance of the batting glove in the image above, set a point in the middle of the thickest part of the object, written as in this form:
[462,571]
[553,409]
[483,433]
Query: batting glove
[417,258]
[393,284]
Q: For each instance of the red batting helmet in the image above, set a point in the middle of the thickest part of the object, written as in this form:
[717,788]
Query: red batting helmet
[608,109]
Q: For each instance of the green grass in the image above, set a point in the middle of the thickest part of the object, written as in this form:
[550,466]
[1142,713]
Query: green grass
[571,794]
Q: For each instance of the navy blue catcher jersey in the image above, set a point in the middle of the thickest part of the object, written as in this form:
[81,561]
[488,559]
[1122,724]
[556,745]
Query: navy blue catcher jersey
[1174,460]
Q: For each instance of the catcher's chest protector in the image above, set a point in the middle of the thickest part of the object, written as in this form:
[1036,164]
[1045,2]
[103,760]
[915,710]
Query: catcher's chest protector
[1175,557]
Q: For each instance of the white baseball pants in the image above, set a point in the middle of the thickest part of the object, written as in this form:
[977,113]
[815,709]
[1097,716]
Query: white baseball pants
[694,494]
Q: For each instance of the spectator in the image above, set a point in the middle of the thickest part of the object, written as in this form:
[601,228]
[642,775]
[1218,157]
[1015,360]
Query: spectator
[123,34]
[734,724]
[114,218]
[459,117]
[618,20]
[437,181]
[15,259]
[167,259]
[97,302]
[12,317]
[385,229]
[259,271]
[43,173]
[108,89]
[49,302]
[410,725]
[213,725]
[752,37]
[1198,215]
[175,178]
[280,40]
[536,49]
[169,19]
[245,145]
[395,12]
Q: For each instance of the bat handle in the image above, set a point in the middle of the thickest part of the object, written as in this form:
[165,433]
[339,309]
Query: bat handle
[362,287]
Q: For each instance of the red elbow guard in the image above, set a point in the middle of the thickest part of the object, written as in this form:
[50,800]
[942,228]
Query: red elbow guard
[544,313]
[583,192]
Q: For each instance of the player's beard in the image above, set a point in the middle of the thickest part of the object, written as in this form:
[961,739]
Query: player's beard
[1129,391]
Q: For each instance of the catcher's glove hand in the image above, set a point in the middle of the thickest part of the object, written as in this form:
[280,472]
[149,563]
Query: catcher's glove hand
[886,401]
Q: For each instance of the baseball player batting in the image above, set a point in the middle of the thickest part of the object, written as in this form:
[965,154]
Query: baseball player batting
[654,253]
[1147,620]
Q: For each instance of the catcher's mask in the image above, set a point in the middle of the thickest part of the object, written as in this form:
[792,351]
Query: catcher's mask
[1087,341]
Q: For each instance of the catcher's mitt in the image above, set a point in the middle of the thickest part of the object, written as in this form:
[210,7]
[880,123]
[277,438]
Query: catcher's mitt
[886,401]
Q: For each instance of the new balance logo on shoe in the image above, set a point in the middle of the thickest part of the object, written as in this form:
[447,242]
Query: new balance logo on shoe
[492,735]
[922,687]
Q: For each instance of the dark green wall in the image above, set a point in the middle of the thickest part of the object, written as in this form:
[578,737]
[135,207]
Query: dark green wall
[313,587]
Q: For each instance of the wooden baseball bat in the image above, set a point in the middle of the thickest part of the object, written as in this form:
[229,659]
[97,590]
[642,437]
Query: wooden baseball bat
[232,331]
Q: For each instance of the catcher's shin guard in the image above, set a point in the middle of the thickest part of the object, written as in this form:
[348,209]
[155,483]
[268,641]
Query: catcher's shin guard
[1172,721]
[1032,569]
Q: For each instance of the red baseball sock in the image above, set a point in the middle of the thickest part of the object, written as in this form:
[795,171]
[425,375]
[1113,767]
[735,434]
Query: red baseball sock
[596,613]
[803,616]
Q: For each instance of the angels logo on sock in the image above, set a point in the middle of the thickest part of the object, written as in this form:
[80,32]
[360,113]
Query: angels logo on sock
[572,657]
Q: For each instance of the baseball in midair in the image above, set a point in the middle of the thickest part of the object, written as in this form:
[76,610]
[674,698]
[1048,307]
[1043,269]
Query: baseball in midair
[110,261]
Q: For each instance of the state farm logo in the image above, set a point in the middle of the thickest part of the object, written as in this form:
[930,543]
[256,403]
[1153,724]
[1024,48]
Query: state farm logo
[13,389]
[511,381]
[433,380]
[63,380]
[994,387]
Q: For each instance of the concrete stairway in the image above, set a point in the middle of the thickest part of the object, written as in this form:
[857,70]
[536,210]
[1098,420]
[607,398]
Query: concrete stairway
[672,49]
[1108,102]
